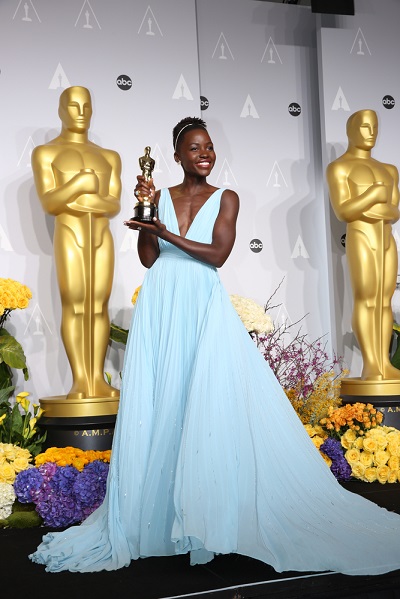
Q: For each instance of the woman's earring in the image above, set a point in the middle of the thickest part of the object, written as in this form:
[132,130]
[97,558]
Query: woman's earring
[178,162]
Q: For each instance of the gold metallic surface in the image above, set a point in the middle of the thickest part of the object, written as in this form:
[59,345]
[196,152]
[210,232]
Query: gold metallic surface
[79,183]
[145,209]
[358,386]
[364,193]
[62,406]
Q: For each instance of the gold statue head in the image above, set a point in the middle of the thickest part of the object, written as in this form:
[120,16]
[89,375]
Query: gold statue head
[362,129]
[75,109]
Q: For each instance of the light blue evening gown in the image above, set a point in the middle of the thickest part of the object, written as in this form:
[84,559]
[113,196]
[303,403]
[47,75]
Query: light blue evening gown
[209,456]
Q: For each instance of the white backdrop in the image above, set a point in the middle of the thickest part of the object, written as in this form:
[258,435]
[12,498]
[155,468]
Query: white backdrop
[255,66]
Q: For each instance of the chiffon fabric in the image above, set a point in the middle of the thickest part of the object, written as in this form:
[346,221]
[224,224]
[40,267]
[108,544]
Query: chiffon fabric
[208,455]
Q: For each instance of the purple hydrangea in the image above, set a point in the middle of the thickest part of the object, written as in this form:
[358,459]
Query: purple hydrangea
[339,467]
[63,495]
[27,484]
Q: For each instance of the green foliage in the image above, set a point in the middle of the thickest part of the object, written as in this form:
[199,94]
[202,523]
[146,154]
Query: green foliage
[118,334]
[18,426]
[23,515]
[11,356]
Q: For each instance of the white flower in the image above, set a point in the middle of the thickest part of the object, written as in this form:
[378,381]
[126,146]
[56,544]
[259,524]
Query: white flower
[252,315]
[7,498]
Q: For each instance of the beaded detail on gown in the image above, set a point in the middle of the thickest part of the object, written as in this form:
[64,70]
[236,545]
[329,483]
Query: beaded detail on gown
[208,455]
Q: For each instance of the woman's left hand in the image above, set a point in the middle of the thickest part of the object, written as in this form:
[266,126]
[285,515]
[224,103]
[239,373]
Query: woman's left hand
[155,227]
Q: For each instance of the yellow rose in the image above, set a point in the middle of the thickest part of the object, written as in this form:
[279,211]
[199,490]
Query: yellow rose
[394,462]
[366,458]
[358,443]
[392,476]
[7,473]
[10,451]
[352,456]
[382,474]
[370,475]
[20,463]
[348,439]
[358,470]
[318,441]
[369,444]
[381,457]
[394,447]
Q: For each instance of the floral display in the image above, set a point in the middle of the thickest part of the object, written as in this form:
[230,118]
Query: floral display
[19,426]
[13,296]
[374,456]
[7,498]
[65,486]
[253,316]
[339,466]
[357,417]
[13,459]
[72,456]
[331,450]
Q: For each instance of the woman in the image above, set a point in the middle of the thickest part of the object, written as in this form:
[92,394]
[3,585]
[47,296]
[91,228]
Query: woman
[209,456]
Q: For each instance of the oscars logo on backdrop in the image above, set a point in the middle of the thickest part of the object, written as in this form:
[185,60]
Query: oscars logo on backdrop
[340,102]
[299,250]
[182,90]
[226,178]
[89,16]
[25,158]
[360,45]
[276,177]
[249,109]
[271,53]
[59,80]
[148,22]
[25,10]
[37,324]
[221,49]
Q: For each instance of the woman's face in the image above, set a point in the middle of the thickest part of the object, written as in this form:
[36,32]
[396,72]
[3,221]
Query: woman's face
[196,153]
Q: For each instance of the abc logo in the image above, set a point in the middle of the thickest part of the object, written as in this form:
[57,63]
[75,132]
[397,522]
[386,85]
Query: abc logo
[294,109]
[388,102]
[124,82]
[204,103]
[256,245]
[343,240]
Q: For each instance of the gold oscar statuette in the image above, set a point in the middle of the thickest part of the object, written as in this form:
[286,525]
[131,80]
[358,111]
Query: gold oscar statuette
[145,209]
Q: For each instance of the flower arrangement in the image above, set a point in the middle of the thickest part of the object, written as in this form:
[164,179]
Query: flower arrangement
[13,459]
[13,295]
[374,456]
[66,485]
[7,498]
[253,316]
[357,417]
[331,450]
[18,426]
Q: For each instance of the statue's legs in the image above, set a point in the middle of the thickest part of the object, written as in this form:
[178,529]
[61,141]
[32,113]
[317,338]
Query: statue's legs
[366,282]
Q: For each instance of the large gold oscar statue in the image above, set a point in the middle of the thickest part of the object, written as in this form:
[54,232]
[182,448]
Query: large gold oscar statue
[364,193]
[79,183]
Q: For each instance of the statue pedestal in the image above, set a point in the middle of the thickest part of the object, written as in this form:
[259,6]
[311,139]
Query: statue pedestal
[84,423]
[383,395]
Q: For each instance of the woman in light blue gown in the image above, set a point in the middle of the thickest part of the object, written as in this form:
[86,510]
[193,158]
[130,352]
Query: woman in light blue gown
[209,456]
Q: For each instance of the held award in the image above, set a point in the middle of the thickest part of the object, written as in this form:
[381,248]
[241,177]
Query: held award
[145,210]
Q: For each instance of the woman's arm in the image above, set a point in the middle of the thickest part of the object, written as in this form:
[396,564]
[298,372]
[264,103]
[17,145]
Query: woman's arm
[214,253]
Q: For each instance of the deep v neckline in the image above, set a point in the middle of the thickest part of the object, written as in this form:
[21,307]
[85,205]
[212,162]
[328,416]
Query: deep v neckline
[195,216]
